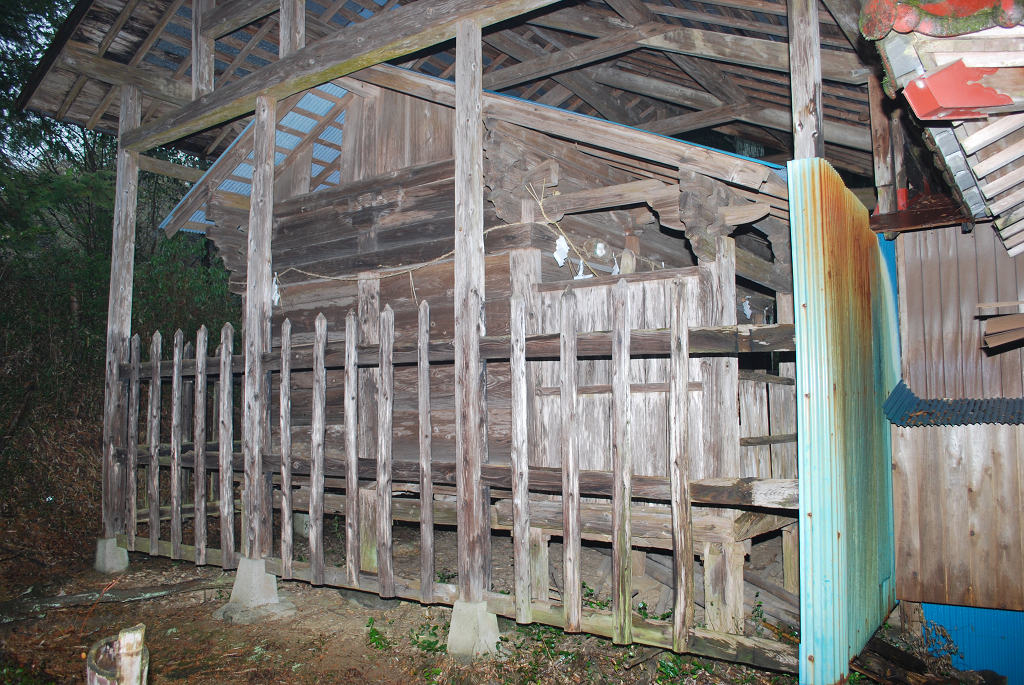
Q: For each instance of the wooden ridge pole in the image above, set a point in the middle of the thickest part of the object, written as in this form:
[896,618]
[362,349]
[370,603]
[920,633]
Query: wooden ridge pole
[471,410]
[119,312]
[257,324]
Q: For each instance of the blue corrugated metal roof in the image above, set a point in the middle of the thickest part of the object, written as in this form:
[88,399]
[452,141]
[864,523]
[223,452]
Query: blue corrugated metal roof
[906,409]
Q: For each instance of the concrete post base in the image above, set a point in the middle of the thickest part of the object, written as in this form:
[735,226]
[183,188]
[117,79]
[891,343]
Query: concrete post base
[253,585]
[473,630]
[109,557]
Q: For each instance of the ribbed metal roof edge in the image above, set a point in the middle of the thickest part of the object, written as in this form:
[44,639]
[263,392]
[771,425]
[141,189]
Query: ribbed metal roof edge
[904,408]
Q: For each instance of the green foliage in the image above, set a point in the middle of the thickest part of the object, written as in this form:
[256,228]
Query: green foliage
[375,638]
[427,638]
[183,285]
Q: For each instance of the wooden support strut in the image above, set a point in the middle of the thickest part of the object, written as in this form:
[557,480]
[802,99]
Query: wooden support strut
[572,597]
[199,428]
[316,476]
[385,441]
[426,477]
[119,313]
[225,430]
[805,61]
[153,433]
[622,470]
[520,463]
[257,321]
[471,410]
[286,450]
[131,467]
[351,454]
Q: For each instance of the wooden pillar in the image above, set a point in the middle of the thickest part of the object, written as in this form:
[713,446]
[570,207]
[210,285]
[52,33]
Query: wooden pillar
[257,325]
[202,50]
[471,410]
[293,27]
[119,313]
[805,78]
[881,147]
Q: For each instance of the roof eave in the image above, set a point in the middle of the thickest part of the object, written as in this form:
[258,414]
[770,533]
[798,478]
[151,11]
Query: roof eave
[67,29]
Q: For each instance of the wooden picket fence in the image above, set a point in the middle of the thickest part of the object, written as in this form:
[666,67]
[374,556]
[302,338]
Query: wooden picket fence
[622,521]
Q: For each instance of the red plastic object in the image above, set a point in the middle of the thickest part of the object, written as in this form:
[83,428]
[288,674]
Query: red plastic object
[953,93]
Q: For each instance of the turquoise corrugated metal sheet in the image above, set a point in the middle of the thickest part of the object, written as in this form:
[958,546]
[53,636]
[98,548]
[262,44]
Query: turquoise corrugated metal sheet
[847,363]
[989,639]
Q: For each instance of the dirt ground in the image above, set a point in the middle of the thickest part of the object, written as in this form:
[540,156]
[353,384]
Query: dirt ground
[333,637]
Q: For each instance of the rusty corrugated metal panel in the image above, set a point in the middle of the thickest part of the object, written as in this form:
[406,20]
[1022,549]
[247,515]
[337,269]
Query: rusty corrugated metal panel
[847,362]
[906,409]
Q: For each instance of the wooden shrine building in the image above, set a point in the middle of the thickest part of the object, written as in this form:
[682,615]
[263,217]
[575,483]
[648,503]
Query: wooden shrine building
[487,285]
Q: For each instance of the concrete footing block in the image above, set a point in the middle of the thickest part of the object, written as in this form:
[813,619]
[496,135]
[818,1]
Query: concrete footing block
[473,630]
[109,557]
[253,587]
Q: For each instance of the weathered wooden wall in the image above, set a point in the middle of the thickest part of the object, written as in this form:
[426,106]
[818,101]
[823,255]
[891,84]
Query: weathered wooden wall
[957,495]
[957,490]
[943,276]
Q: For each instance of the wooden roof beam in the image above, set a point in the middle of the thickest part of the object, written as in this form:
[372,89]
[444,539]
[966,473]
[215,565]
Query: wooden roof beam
[381,38]
[143,50]
[597,96]
[573,57]
[709,76]
[230,16]
[609,136]
[764,54]
[77,59]
[857,137]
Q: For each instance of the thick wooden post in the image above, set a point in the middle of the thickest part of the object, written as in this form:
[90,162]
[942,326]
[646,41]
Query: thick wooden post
[293,27]
[257,324]
[881,147]
[805,78]
[119,313]
[202,51]
[471,411]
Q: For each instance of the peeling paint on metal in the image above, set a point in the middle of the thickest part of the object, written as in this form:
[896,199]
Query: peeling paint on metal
[847,363]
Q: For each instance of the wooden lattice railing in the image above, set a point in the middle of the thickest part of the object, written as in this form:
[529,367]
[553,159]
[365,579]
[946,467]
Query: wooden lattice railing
[625,520]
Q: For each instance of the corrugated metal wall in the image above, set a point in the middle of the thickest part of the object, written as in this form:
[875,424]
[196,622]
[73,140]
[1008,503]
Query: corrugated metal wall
[986,638]
[847,363]
[943,276]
